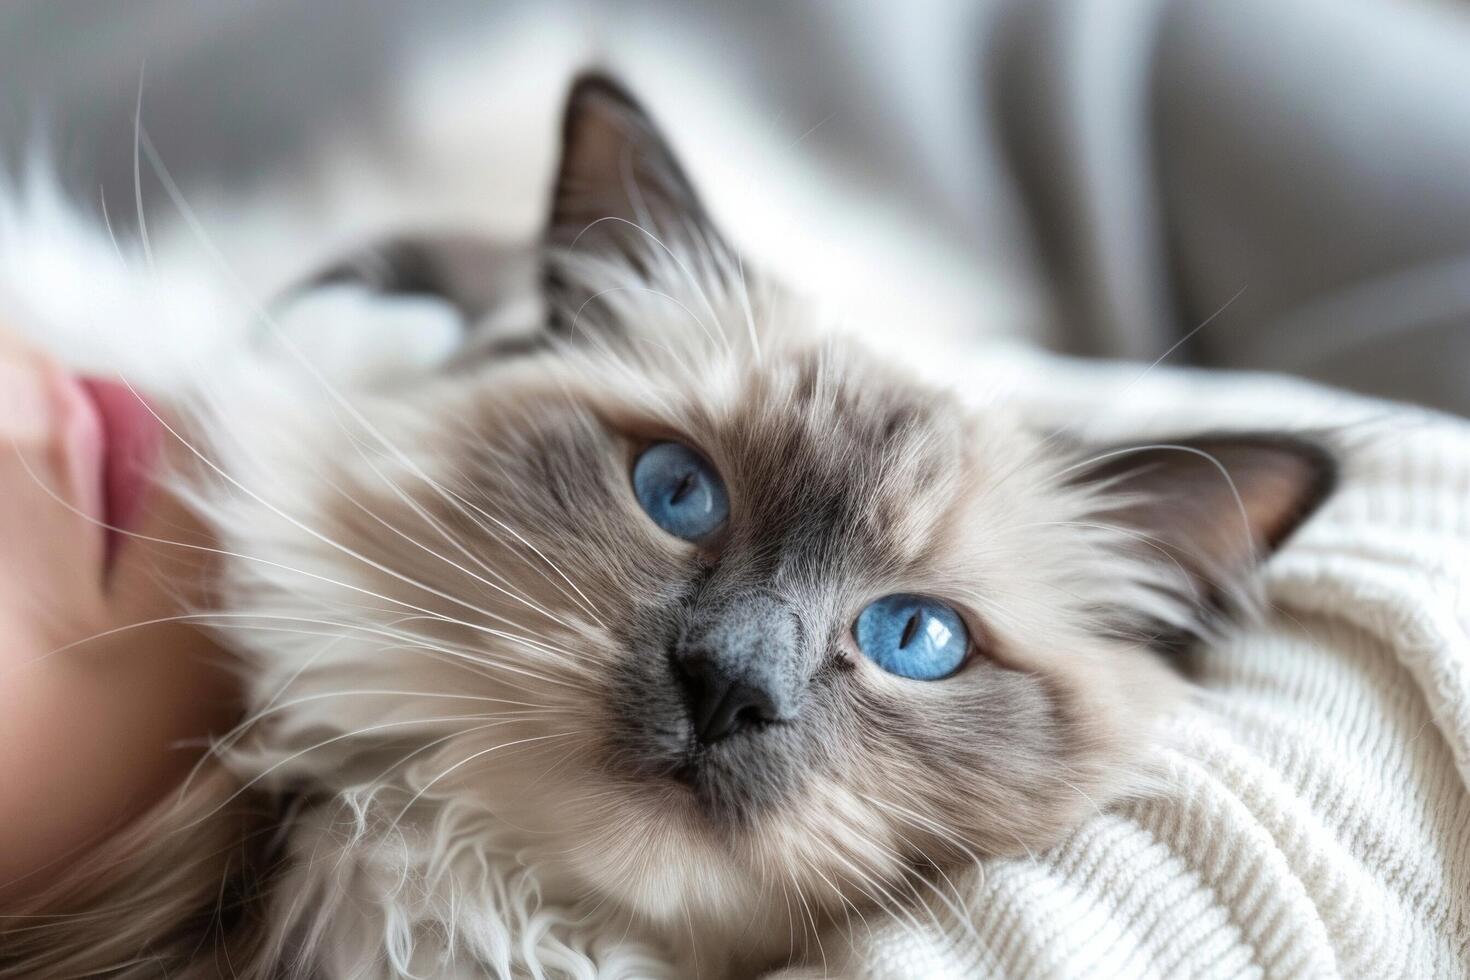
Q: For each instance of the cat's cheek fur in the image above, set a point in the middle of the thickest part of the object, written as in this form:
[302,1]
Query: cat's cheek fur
[453,597]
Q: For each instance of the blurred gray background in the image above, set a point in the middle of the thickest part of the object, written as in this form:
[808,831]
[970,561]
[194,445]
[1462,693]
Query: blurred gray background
[1267,184]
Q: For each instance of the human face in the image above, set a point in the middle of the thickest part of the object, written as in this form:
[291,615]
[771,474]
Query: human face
[99,679]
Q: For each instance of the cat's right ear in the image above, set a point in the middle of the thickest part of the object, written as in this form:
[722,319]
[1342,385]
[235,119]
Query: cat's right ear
[1208,510]
[620,192]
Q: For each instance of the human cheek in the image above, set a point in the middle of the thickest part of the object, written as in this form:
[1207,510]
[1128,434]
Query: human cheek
[49,552]
[27,416]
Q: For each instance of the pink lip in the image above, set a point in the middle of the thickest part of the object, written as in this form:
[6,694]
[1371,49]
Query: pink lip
[132,440]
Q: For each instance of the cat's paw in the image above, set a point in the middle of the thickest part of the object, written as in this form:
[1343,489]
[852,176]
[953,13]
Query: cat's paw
[354,334]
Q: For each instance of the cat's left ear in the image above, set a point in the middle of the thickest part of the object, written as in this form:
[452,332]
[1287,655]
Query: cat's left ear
[1211,508]
[619,192]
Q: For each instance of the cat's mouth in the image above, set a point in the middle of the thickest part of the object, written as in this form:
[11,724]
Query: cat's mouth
[697,769]
[715,790]
[672,755]
[727,783]
[686,773]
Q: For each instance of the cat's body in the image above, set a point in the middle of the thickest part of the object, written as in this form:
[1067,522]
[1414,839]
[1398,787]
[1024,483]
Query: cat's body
[468,648]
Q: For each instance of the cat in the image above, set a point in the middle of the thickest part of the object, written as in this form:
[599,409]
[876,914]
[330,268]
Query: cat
[671,637]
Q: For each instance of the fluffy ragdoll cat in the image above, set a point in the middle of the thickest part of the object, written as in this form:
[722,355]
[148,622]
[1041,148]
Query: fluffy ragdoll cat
[668,640]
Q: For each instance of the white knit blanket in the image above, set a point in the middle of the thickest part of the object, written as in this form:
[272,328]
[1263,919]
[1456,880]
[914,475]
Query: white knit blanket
[1317,821]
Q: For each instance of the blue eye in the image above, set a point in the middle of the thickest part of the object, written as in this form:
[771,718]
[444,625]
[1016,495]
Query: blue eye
[680,491]
[912,636]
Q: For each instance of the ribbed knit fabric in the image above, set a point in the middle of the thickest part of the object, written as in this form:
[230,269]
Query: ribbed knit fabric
[1315,820]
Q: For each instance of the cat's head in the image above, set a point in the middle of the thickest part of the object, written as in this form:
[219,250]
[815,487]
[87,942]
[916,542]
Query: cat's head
[723,610]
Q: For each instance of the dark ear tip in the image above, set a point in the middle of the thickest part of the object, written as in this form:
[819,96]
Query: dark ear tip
[1323,471]
[594,86]
[1315,475]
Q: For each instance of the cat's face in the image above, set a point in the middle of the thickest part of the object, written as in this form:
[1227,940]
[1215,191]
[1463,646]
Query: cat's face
[844,483]
[754,620]
[696,723]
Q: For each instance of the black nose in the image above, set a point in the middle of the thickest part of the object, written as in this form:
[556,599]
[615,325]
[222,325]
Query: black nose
[721,705]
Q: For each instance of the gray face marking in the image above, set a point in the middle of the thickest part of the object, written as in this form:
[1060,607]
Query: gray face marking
[736,684]
[740,663]
[680,656]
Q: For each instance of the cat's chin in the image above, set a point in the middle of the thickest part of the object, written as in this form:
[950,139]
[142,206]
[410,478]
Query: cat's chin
[702,785]
[671,870]
[727,893]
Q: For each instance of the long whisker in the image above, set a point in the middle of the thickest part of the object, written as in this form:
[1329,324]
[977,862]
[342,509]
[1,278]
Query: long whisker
[287,568]
[678,262]
[333,740]
[471,758]
[438,526]
[187,212]
[957,905]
